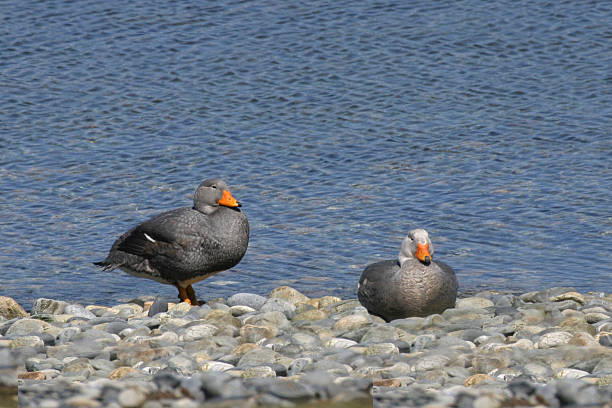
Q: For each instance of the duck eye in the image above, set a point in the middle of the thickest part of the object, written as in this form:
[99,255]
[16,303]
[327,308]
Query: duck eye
[213,186]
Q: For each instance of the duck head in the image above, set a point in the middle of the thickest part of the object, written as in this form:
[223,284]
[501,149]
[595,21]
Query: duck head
[416,245]
[211,194]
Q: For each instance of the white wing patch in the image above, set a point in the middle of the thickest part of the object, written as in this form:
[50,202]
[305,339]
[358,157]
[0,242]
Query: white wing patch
[148,237]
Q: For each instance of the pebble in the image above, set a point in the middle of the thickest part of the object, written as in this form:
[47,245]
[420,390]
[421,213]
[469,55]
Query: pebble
[543,348]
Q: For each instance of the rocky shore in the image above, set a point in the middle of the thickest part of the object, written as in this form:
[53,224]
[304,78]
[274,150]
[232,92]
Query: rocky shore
[550,348]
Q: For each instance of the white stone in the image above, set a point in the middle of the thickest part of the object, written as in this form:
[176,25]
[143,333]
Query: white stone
[216,366]
[338,342]
[570,373]
[553,339]
[198,332]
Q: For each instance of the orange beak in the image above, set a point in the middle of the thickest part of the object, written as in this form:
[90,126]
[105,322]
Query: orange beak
[422,253]
[227,200]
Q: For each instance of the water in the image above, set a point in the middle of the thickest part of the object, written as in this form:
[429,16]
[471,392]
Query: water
[338,126]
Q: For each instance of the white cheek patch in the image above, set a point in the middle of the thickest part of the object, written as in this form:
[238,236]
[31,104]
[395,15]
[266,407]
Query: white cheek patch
[148,237]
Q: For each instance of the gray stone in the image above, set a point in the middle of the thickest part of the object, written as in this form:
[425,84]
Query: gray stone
[27,341]
[78,367]
[279,305]
[538,370]
[247,299]
[102,365]
[48,306]
[131,398]
[422,342]
[603,366]
[468,314]
[343,306]
[258,357]
[409,324]
[276,320]
[605,339]
[66,334]
[474,303]
[199,331]
[577,392]
[37,364]
[220,306]
[339,369]
[179,310]
[351,322]
[221,385]
[94,335]
[182,364]
[159,305]
[431,362]
[298,365]
[251,333]
[79,311]
[198,312]
[385,334]
[291,390]
[25,327]
[544,295]
[116,327]
[289,294]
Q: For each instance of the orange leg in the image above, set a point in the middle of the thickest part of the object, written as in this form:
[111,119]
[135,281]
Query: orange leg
[192,296]
[183,294]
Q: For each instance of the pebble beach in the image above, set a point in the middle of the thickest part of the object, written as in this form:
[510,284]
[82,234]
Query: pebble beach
[549,348]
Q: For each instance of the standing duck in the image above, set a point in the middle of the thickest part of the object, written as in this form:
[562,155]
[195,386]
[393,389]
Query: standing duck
[412,285]
[183,246]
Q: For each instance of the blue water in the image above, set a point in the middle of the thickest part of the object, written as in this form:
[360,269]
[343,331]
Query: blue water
[338,126]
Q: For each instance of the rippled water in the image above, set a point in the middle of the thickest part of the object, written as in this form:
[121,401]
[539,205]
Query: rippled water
[339,126]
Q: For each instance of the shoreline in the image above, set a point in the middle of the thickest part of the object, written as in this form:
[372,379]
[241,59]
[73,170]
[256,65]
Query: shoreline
[551,347]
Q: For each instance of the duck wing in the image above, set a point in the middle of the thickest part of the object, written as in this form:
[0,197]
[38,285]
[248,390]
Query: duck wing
[375,282]
[168,235]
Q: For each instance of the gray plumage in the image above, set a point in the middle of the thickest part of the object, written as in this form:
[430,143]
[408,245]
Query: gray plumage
[408,286]
[185,245]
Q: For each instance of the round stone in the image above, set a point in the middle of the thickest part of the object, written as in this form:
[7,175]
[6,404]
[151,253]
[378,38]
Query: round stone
[350,322]
[473,303]
[131,397]
[279,305]
[27,341]
[553,339]
[79,311]
[199,331]
[288,294]
[253,333]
